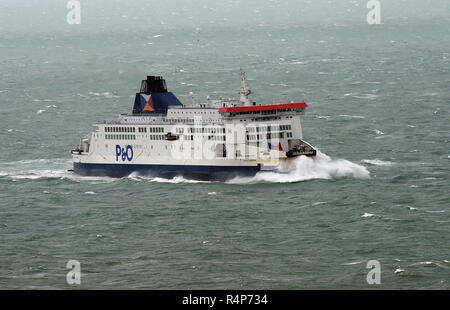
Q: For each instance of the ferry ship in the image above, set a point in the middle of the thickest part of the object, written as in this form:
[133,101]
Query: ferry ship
[217,140]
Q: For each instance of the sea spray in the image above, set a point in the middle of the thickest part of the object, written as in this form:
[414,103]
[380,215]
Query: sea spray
[307,168]
[299,169]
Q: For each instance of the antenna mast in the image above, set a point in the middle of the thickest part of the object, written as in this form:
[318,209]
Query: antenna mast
[245,89]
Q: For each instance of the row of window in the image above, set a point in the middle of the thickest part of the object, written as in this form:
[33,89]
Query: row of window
[180,120]
[120,129]
[268,118]
[150,129]
[120,137]
[269,128]
[264,112]
[195,112]
[217,138]
[213,138]
[200,130]
[269,136]
[197,129]
[190,137]
[132,137]
[157,137]
[133,129]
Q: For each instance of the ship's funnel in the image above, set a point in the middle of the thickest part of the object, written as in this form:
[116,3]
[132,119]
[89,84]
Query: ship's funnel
[154,97]
[154,84]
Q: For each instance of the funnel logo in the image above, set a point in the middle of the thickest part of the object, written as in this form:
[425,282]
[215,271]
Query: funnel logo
[149,105]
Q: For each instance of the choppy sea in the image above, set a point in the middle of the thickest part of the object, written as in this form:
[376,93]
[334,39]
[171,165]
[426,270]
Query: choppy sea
[378,99]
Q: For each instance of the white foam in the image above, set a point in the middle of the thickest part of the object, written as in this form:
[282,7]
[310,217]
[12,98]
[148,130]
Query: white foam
[89,193]
[175,180]
[379,132]
[423,263]
[351,116]
[299,169]
[54,174]
[378,162]
[398,270]
[21,163]
[366,96]
[43,100]
[367,215]
[135,176]
[353,263]
[318,203]
[105,94]
[305,168]
[45,168]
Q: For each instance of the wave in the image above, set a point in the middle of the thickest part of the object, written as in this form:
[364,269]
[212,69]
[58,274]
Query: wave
[366,96]
[378,162]
[352,116]
[367,215]
[299,169]
[105,94]
[174,180]
[378,132]
[52,174]
[306,168]
[44,168]
[353,263]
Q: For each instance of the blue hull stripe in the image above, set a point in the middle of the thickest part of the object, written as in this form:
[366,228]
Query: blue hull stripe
[165,171]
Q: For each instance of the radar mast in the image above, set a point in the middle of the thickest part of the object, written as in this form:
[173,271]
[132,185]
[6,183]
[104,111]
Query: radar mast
[245,89]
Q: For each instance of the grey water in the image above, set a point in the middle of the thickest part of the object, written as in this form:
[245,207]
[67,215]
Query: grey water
[378,99]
